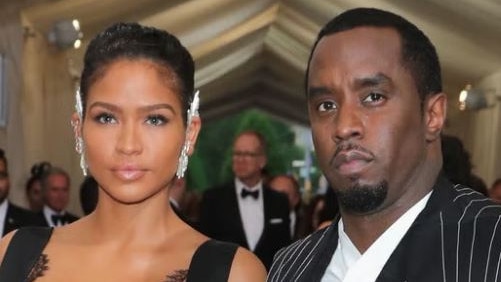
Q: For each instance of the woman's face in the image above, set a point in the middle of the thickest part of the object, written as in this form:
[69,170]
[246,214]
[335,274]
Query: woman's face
[133,129]
[35,198]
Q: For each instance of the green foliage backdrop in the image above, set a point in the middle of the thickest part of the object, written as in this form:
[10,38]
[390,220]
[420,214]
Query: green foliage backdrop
[210,165]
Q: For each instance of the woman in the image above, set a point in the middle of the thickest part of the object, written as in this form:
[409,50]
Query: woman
[133,128]
[34,186]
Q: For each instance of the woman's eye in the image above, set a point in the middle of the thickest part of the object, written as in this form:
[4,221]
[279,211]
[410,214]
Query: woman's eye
[326,106]
[374,97]
[156,120]
[105,119]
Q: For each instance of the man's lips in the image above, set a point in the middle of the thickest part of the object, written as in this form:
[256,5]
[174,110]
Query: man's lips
[350,161]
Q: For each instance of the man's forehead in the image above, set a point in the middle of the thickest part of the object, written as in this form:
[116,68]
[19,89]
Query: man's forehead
[363,56]
[358,44]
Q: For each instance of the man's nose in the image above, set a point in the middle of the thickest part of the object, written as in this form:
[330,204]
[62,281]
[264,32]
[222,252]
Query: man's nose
[348,122]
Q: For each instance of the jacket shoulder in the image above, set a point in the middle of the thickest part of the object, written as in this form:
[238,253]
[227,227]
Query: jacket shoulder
[291,262]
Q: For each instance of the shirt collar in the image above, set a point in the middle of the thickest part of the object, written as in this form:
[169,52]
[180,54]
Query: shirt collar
[240,185]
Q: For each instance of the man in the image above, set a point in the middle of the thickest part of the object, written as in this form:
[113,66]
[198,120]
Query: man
[245,211]
[495,191]
[11,216]
[289,186]
[376,110]
[56,193]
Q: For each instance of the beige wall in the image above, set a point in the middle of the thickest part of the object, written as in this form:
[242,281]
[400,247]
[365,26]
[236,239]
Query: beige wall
[47,105]
[40,98]
[11,137]
[487,132]
[480,131]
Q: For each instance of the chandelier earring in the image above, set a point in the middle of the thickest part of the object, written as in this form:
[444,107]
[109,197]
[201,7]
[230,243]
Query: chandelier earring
[79,144]
[183,160]
[183,157]
[79,147]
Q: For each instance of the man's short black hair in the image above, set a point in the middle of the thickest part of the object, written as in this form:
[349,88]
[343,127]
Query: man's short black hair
[418,53]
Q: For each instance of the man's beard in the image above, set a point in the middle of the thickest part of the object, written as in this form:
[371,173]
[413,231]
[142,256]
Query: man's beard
[362,199]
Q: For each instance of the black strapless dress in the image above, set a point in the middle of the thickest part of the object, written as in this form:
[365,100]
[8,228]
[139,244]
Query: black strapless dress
[24,259]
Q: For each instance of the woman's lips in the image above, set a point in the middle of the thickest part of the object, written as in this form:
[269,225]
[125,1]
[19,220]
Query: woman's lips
[129,173]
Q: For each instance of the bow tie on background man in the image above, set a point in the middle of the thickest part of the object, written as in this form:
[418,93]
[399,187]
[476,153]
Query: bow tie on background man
[58,219]
[246,192]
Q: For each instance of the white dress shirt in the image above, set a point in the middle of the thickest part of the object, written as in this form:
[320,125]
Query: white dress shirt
[348,265]
[251,213]
[3,215]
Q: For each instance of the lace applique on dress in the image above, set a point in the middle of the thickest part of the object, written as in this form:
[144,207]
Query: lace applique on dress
[39,268]
[42,265]
[177,276]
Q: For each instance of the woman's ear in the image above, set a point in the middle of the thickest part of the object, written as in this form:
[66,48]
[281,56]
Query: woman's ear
[435,115]
[192,133]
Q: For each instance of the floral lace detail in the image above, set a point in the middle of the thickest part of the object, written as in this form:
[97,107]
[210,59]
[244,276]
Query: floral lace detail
[177,276]
[39,268]
[42,265]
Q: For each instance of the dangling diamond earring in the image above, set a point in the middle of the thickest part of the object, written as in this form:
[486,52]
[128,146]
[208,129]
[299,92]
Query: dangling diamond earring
[183,157]
[79,144]
[183,160]
[79,147]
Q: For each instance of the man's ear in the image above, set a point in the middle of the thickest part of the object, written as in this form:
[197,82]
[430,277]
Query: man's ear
[76,124]
[192,133]
[435,113]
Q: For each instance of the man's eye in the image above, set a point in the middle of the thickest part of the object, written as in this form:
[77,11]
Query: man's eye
[326,106]
[374,97]
[105,119]
[156,120]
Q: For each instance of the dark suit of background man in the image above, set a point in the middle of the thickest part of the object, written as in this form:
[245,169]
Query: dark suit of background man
[11,216]
[56,194]
[376,110]
[245,211]
[289,186]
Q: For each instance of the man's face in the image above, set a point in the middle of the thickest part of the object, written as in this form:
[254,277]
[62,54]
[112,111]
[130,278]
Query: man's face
[248,158]
[57,194]
[364,109]
[4,181]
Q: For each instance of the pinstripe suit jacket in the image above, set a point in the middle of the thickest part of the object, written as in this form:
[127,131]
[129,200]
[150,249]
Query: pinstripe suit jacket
[457,237]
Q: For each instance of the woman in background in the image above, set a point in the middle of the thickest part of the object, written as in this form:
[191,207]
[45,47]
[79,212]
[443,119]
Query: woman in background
[34,186]
[136,124]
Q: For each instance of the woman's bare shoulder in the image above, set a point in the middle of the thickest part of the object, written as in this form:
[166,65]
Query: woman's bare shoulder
[246,267]
[4,243]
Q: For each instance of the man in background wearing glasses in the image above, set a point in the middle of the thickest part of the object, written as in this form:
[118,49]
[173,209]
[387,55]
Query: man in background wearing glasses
[245,211]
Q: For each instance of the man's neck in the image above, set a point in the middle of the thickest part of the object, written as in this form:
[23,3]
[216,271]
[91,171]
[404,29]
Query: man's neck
[363,230]
[250,182]
[54,210]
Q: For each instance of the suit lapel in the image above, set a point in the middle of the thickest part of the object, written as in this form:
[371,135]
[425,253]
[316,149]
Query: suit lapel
[234,216]
[398,265]
[267,205]
[7,225]
[326,248]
